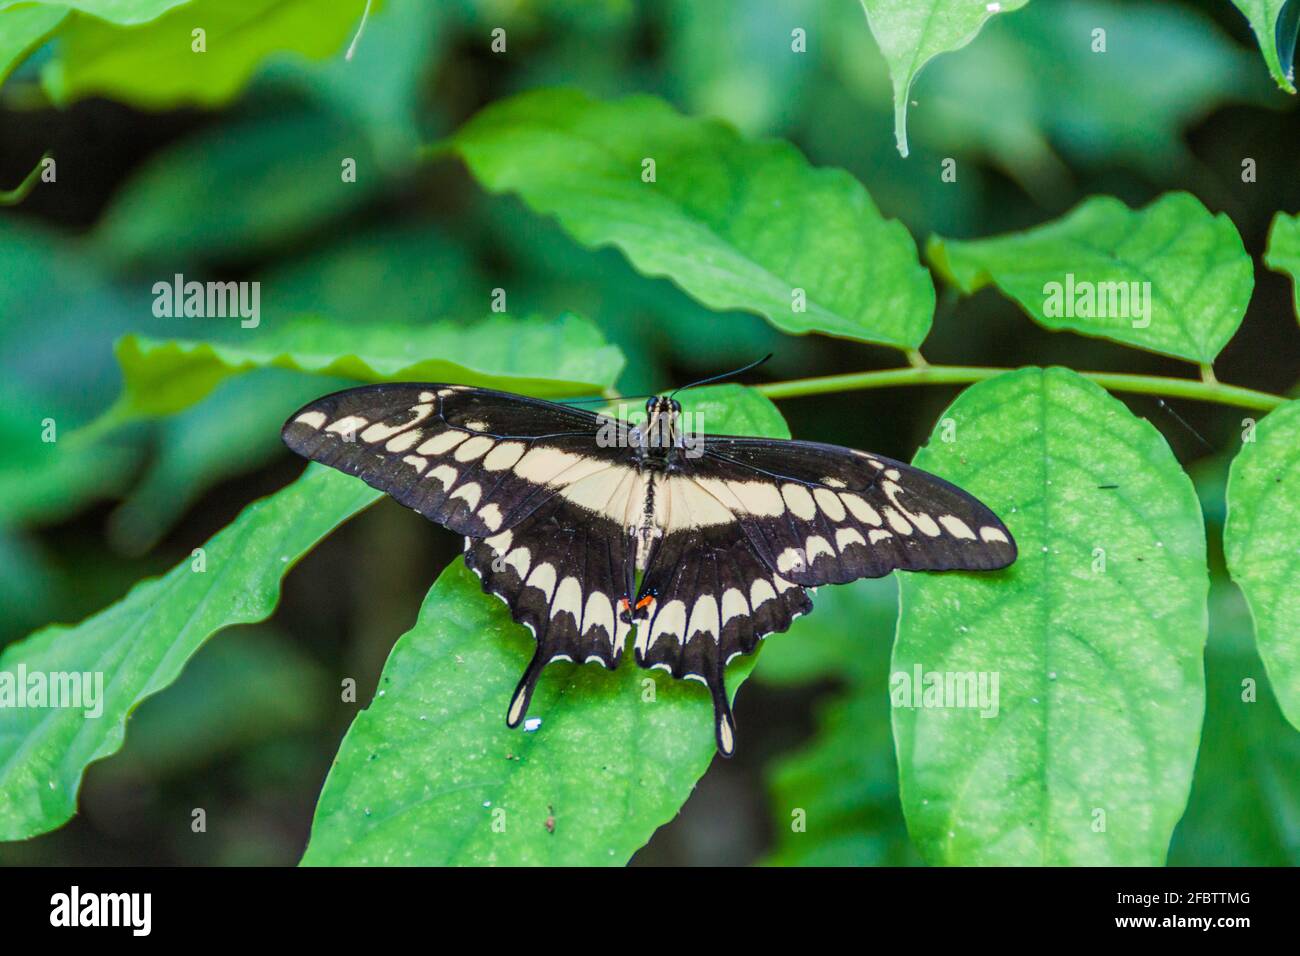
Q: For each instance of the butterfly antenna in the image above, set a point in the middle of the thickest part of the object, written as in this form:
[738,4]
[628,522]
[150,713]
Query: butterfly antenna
[715,378]
[605,399]
[1182,421]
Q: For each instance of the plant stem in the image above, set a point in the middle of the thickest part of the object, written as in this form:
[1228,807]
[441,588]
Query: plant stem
[13,197]
[1205,391]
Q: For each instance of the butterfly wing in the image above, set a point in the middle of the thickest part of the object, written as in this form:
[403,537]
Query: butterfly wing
[562,572]
[474,460]
[529,483]
[823,514]
[754,522]
[710,597]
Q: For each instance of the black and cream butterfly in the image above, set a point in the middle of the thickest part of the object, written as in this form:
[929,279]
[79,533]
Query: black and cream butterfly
[561,507]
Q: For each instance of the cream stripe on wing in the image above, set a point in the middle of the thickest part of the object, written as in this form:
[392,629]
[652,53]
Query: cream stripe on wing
[597,490]
[691,505]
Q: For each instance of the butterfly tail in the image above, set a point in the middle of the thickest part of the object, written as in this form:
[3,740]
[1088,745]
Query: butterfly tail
[524,690]
[724,724]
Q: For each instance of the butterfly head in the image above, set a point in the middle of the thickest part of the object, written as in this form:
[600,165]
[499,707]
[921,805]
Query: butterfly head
[662,428]
[661,405]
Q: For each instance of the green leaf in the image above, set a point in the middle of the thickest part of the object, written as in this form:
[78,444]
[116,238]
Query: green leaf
[732,410]
[562,357]
[122,12]
[139,645]
[1261,541]
[913,32]
[154,65]
[736,224]
[1170,277]
[232,192]
[429,767]
[558,274]
[22,30]
[1283,252]
[1244,809]
[1277,37]
[1089,757]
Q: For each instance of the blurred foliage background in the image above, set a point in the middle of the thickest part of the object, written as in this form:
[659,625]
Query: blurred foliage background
[249,188]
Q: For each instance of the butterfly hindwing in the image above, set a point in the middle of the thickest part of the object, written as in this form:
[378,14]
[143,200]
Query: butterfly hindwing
[706,597]
[562,573]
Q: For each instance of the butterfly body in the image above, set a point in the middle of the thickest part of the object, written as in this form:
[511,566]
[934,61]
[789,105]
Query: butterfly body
[561,508]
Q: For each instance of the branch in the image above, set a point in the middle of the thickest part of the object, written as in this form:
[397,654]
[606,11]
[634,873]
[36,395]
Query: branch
[1199,390]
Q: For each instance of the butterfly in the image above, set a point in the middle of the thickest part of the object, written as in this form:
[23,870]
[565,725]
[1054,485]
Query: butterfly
[561,508]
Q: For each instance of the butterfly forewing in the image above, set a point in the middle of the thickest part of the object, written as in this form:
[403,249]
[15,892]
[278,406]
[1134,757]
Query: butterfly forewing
[500,469]
[822,514]
[474,460]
